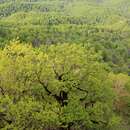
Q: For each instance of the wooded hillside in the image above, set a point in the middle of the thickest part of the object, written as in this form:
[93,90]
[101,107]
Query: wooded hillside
[64,64]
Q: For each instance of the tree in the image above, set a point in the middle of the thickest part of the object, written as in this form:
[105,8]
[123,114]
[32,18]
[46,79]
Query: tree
[59,86]
[121,86]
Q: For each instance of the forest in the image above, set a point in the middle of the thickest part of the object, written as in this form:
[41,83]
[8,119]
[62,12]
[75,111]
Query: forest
[64,65]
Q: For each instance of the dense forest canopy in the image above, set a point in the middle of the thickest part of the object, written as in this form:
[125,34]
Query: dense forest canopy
[64,64]
[102,23]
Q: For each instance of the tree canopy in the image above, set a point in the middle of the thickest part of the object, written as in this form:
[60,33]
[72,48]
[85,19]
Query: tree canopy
[60,86]
[64,65]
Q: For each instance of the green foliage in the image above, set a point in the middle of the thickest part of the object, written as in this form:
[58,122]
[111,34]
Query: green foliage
[57,86]
[104,24]
[47,84]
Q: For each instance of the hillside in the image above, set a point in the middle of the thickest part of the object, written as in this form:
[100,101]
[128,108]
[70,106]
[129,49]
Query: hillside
[72,32]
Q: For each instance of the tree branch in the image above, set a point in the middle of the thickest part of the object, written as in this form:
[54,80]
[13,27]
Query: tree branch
[2,91]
